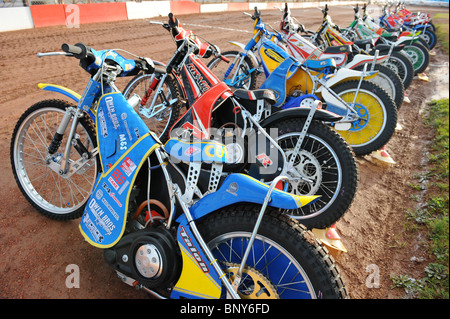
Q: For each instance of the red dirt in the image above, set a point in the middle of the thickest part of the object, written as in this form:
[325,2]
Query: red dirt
[34,251]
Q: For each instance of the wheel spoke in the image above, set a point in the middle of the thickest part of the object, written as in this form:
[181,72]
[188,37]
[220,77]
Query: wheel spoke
[268,262]
[55,195]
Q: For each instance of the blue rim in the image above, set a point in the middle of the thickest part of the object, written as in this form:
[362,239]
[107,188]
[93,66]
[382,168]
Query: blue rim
[270,260]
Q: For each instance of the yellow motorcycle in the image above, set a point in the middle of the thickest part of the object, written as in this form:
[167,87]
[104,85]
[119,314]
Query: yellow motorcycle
[369,113]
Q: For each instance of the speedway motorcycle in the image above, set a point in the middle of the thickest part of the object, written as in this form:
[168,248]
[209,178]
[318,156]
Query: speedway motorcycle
[316,159]
[369,113]
[386,32]
[412,46]
[301,49]
[161,226]
[396,21]
[413,18]
[329,35]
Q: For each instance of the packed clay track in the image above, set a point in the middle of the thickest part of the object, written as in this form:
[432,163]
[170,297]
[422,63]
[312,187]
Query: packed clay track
[35,251]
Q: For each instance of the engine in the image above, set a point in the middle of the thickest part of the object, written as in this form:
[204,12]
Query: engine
[150,256]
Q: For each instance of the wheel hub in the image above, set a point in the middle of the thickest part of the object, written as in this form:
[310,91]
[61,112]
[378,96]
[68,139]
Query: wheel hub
[309,168]
[308,102]
[413,55]
[363,116]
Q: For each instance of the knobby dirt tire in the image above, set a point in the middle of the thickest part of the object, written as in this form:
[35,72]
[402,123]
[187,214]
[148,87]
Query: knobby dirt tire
[401,64]
[325,158]
[430,38]
[232,226]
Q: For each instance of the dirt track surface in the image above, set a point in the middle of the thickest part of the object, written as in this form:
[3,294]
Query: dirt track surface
[35,251]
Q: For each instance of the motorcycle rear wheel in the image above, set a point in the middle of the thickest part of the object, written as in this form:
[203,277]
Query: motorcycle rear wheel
[401,64]
[389,81]
[429,36]
[286,261]
[52,194]
[327,161]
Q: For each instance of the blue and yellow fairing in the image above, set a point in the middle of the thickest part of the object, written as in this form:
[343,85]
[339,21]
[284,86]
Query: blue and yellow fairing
[199,278]
[243,188]
[124,143]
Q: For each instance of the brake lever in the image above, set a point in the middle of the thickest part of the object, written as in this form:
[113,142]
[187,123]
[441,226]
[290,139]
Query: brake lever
[40,54]
[156,22]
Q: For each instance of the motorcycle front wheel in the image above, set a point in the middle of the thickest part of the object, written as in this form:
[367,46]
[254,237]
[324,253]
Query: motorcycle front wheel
[377,116]
[225,71]
[55,195]
[327,167]
[285,262]
[166,109]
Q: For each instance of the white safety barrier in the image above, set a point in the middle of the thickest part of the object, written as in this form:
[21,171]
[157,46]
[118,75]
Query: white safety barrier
[147,9]
[15,19]
[213,7]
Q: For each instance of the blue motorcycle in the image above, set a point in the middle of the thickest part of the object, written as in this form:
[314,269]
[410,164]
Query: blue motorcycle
[164,226]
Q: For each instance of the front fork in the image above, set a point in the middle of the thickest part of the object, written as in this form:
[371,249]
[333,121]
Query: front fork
[72,140]
[352,114]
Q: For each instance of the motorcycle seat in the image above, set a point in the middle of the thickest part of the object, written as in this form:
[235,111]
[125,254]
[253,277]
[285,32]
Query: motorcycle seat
[318,65]
[253,95]
[385,47]
[207,151]
[339,49]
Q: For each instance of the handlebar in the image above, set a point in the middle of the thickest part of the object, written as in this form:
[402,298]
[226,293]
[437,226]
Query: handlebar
[261,26]
[324,11]
[256,14]
[86,56]
[184,37]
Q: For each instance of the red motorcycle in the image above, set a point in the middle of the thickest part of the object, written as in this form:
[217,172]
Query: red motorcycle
[300,145]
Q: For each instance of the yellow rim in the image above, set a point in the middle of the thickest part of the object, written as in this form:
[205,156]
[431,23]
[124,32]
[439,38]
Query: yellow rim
[373,118]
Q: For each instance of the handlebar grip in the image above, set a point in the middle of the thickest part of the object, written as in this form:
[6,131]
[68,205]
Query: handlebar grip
[80,51]
[172,20]
[68,48]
